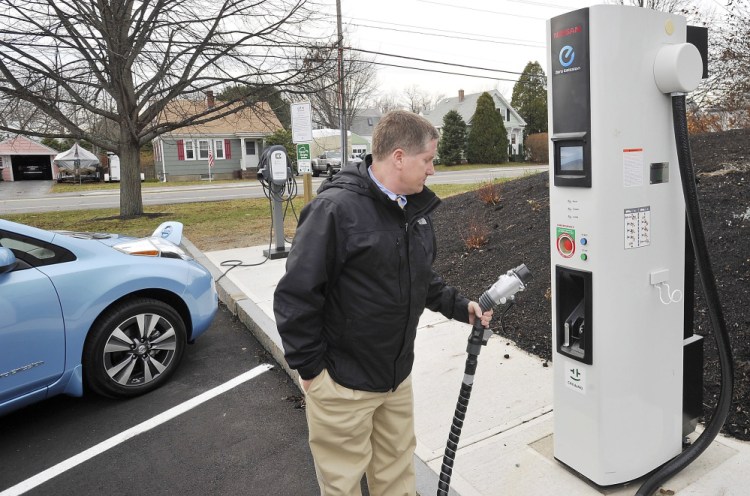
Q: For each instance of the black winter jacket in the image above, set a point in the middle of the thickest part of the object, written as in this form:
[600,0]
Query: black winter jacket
[358,277]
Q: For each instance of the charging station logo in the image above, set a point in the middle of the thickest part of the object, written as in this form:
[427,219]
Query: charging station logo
[567,56]
[575,377]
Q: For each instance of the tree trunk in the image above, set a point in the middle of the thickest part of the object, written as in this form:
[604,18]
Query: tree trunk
[131,202]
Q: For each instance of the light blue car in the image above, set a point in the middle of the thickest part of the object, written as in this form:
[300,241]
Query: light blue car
[100,312]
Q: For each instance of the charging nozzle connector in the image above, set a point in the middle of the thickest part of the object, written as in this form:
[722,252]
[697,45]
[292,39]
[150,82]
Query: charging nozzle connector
[505,287]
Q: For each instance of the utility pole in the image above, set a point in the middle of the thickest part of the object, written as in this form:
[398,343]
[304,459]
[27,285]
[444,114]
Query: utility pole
[342,99]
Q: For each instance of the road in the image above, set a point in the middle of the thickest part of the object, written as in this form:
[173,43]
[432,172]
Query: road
[250,439]
[31,196]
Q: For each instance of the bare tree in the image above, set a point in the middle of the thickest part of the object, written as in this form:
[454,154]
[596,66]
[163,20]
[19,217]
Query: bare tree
[420,101]
[322,84]
[728,89]
[386,102]
[104,71]
[676,6]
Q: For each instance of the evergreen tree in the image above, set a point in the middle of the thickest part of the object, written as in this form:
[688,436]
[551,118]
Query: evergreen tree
[452,145]
[530,98]
[53,143]
[488,138]
[283,137]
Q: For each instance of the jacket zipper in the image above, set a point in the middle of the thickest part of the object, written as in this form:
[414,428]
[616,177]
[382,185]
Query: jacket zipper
[400,287]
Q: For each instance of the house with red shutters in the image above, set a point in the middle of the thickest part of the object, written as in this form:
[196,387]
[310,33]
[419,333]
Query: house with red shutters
[225,148]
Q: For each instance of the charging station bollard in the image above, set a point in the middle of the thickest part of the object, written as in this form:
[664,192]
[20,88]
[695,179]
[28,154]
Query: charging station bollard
[617,231]
[275,172]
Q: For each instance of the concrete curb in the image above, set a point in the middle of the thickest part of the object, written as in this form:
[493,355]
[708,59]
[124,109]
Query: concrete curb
[243,308]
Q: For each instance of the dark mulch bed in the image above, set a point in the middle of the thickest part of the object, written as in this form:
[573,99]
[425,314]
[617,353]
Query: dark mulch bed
[517,231]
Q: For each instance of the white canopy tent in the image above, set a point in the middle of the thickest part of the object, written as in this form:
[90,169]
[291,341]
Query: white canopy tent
[77,163]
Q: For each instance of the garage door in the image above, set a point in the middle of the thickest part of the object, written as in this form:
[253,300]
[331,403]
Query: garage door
[31,167]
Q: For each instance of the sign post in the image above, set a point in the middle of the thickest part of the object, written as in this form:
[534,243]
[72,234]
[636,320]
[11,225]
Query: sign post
[302,136]
[304,167]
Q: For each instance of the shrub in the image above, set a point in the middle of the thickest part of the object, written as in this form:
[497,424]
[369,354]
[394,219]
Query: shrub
[489,193]
[537,148]
[476,236]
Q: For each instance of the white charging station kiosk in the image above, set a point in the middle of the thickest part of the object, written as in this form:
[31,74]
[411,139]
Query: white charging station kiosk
[617,230]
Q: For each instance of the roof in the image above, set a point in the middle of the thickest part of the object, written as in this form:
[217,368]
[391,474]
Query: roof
[325,136]
[364,122]
[258,119]
[21,145]
[466,108]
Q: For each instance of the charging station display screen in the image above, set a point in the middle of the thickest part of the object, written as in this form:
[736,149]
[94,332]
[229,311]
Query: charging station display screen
[571,158]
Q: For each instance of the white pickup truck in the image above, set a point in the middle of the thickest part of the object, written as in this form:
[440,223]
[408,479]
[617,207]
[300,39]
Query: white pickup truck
[328,163]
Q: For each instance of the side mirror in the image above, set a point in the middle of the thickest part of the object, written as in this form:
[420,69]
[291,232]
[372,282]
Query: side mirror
[7,260]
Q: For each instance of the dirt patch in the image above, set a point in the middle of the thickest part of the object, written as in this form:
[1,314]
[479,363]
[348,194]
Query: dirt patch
[516,230]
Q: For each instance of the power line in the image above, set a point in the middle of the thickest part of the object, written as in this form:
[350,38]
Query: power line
[433,61]
[463,7]
[443,36]
[442,72]
[448,31]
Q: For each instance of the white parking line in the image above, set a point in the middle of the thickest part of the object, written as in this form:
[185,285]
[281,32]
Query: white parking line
[73,461]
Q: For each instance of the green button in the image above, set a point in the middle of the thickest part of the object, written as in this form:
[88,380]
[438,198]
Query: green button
[584,257]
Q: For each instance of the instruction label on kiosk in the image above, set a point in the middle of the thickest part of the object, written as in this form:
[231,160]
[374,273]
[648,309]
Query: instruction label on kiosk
[637,227]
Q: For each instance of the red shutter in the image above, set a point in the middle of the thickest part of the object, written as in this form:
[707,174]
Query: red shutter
[180,150]
[227,149]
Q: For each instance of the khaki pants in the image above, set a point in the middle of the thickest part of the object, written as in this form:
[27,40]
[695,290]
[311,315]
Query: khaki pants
[355,432]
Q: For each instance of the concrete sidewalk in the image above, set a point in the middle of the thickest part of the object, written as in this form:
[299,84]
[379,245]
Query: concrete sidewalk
[506,441]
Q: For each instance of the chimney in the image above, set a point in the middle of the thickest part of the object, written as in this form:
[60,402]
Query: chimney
[210,99]
[460,96]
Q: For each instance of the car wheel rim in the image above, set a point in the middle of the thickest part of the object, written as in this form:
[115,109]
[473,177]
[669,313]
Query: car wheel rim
[140,349]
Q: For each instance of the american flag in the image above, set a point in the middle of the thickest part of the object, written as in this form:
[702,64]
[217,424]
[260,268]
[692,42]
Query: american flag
[210,158]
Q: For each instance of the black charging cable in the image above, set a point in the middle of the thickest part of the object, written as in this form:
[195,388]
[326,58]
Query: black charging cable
[715,312]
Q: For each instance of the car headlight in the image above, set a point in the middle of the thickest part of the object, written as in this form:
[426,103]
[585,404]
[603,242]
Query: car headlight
[151,247]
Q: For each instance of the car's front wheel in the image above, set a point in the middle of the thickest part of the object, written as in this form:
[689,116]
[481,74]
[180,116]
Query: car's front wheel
[133,348]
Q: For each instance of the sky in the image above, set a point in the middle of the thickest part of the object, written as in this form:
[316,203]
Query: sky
[499,35]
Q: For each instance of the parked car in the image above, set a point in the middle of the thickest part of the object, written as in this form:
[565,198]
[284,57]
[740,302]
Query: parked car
[327,162]
[95,312]
[356,158]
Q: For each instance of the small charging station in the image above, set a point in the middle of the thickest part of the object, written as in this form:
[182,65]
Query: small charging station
[275,171]
[622,345]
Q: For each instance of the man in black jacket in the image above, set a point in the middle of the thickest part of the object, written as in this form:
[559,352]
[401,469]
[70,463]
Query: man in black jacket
[358,277]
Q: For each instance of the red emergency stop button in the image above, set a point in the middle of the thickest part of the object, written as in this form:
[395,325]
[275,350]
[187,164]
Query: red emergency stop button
[566,245]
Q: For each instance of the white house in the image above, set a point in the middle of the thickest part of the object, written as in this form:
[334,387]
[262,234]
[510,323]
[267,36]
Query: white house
[466,105]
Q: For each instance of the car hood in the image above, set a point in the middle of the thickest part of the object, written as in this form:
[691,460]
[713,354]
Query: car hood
[106,238]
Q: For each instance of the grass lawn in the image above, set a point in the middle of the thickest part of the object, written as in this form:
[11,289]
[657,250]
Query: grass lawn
[209,225]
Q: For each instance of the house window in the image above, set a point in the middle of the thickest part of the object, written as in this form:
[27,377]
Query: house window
[219,149]
[203,147]
[250,148]
[189,150]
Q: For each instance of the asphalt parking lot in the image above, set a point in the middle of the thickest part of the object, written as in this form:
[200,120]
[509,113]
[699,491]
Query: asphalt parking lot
[250,439]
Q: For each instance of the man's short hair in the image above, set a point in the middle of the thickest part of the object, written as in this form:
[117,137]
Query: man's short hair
[402,129]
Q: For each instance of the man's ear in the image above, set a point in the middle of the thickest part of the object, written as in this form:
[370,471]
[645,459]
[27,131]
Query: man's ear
[398,157]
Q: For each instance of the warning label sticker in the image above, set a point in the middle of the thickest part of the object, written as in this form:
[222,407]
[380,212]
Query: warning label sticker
[632,167]
[637,227]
